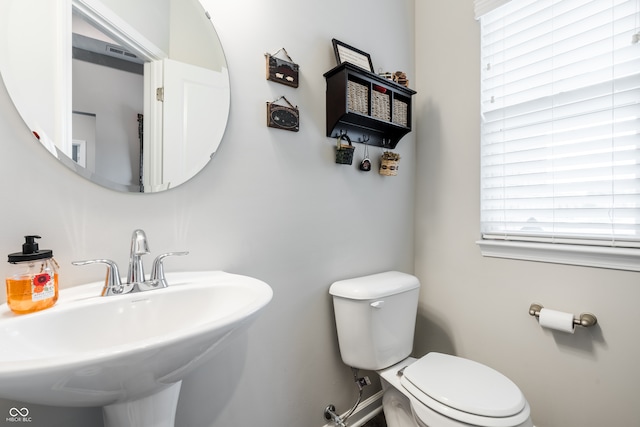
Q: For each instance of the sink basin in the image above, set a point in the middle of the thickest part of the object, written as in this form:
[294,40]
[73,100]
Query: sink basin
[122,352]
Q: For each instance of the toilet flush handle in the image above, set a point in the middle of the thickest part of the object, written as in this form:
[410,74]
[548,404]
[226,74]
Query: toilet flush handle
[377,304]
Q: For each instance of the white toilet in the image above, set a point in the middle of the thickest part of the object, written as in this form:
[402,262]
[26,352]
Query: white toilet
[375,319]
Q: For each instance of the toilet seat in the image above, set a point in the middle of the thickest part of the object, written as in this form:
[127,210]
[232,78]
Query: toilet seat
[465,391]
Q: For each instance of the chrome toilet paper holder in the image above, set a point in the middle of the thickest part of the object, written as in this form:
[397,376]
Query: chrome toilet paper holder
[585,319]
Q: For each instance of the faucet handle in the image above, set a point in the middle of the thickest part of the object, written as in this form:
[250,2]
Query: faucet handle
[157,270]
[112,282]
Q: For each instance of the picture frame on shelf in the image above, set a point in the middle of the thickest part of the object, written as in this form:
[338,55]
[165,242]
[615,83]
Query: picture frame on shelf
[357,57]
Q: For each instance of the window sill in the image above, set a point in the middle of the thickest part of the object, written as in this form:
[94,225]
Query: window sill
[589,256]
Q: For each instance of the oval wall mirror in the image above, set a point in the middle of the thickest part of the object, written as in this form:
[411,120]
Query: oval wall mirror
[130,94]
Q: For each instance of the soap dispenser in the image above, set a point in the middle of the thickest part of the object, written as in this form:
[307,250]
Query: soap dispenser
[32,283]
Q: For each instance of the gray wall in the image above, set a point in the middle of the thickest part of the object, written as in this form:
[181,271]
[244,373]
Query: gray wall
[478,307]
[272,204]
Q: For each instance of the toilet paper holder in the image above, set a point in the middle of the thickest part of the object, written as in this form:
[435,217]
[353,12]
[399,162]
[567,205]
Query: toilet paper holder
[585,319]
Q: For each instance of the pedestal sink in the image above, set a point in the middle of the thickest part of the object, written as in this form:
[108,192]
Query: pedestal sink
[127,353]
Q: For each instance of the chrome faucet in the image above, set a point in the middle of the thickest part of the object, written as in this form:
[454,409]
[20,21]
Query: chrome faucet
[139,247]
[136,281]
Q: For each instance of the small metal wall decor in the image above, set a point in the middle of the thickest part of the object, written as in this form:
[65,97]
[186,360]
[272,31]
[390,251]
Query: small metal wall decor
[283,116]
[282,71]
[365,164]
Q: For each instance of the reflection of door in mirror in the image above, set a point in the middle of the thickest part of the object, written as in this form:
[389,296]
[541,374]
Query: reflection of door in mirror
[36,79]
[188,93]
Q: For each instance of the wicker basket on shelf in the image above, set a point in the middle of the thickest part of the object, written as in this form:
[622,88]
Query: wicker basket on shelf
[380,106]
[357,97]
[400,112]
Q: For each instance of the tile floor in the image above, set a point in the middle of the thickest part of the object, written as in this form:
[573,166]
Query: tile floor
[377,421]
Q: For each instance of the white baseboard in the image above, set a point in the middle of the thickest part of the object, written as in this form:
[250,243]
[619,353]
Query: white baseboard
[367,409]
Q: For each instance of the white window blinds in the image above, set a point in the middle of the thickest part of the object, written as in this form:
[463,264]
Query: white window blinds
[484,6]
[560,122]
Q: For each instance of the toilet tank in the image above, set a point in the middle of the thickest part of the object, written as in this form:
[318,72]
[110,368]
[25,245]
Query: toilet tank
[375,318]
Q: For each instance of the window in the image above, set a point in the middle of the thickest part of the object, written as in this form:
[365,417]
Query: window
[560,104]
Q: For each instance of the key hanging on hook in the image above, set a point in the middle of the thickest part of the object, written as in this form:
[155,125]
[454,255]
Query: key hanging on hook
[365,164]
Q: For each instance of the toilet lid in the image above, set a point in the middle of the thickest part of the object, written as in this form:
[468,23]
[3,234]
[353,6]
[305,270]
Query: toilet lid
[465,385]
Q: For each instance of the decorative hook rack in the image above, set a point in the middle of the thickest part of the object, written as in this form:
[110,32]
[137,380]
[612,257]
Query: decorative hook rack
[365,139]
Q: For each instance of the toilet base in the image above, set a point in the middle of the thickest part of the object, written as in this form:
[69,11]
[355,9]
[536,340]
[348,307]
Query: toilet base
[397,409]
[398,412]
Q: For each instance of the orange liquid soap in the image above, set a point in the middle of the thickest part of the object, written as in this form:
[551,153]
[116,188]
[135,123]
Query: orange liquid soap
[28,294]
[32,283]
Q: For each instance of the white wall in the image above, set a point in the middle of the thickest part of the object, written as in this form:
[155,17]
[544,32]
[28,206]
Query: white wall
[272,204]
[478,307]
[149,17]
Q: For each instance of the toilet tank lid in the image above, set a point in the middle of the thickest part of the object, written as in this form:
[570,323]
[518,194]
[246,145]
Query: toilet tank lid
[374,286]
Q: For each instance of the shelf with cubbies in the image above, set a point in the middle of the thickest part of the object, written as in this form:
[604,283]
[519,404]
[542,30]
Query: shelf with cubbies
[367,107]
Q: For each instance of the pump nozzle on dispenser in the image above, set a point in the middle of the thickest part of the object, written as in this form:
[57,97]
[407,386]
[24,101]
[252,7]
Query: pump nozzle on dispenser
[30,251]
[30,245]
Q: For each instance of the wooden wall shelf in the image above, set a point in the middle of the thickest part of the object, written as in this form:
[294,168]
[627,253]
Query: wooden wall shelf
[367,107]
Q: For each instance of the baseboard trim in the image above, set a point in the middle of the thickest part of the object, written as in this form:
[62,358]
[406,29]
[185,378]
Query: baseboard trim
[367,409]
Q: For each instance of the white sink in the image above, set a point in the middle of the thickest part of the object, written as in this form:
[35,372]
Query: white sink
[127,353]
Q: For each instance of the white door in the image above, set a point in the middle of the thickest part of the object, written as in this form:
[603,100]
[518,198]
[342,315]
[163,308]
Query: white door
[195,106]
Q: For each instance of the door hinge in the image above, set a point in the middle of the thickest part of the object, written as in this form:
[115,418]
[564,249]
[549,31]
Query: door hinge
[160,94]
